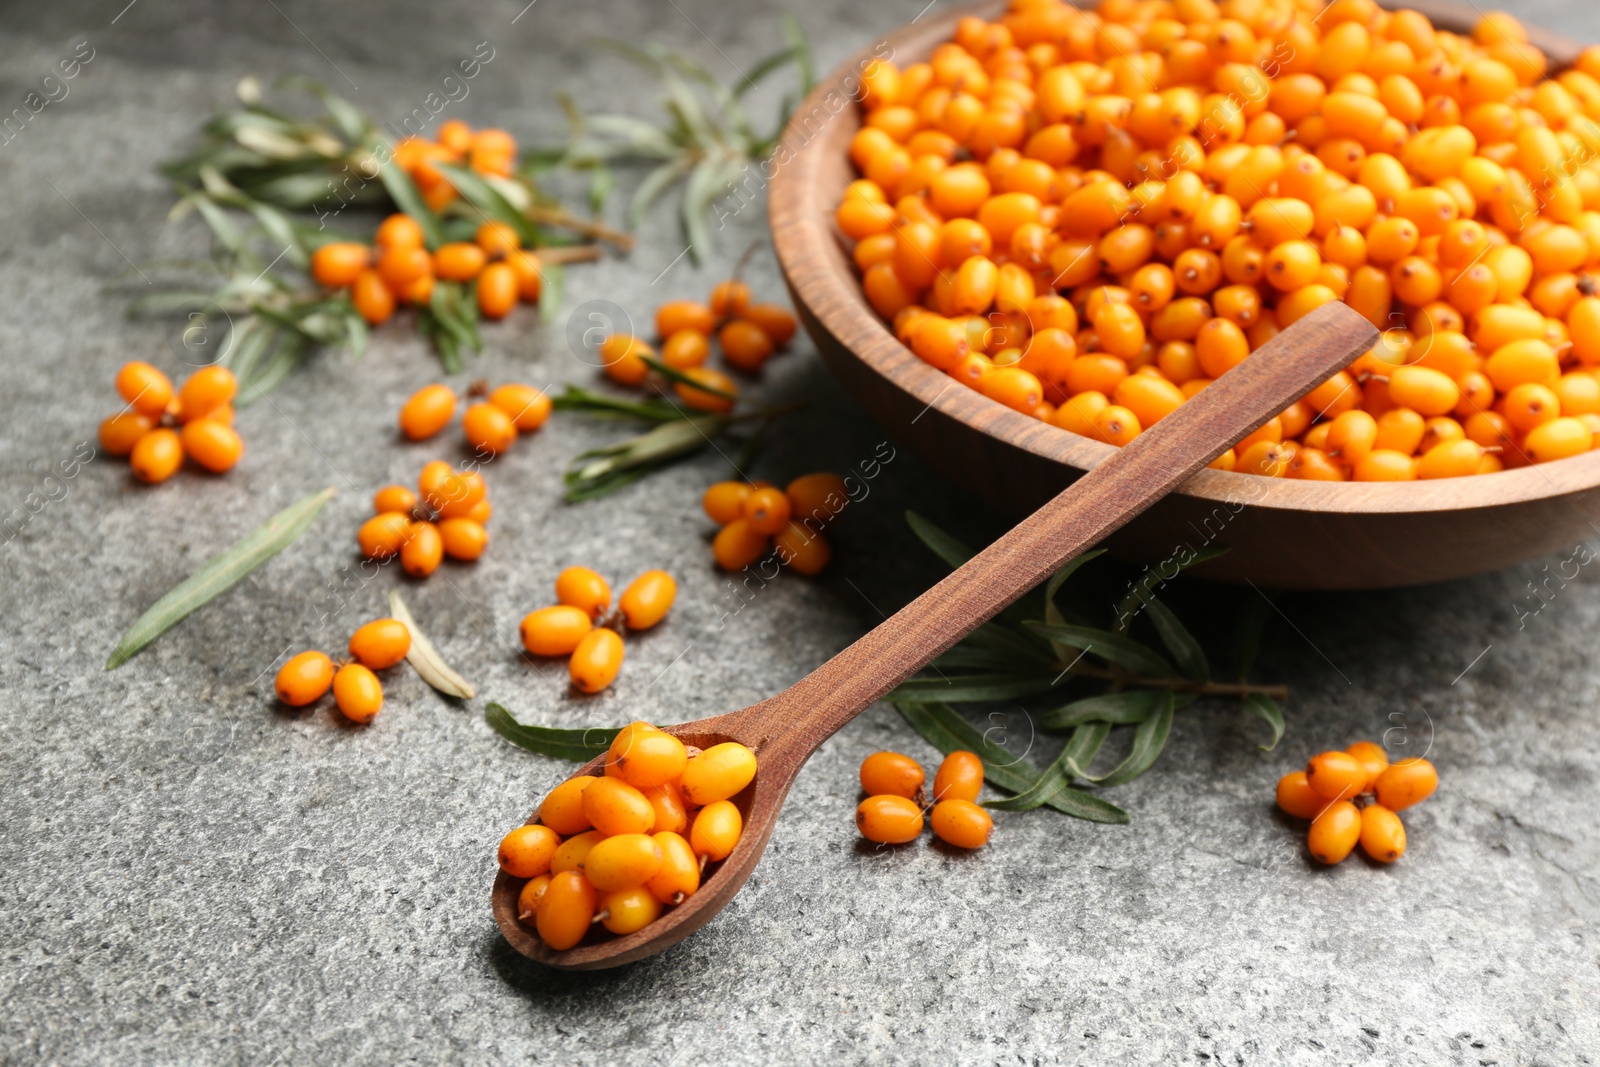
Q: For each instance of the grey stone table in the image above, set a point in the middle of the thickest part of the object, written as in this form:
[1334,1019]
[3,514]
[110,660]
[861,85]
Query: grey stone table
[189,874]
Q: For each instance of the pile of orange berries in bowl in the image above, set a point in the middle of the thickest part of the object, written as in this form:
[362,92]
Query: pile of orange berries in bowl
[616,851]
[582,626]
[400,269]
[748,334]
[160,425]
[447,516]
[1089,216]
[896,801]
[491,425]
[489,152]
[758,517]
[1327,793]
[377,646]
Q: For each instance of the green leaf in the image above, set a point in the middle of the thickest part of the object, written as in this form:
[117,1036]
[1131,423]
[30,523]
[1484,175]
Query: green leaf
[698,194]
[219,574]
[944,546]
[601,182]
[672,374]
[1266,709]
[489,201]
[1119,709]
[971,688]
[949,732]
[656,183]
[599,405]
[1247,634]
[1052,611]
[1142,590]
[1079,750]
[1148,741]
[553,292]
[761,68]
[1186,651]
[579,746]
[801,47]
[403,191]
[1117,649]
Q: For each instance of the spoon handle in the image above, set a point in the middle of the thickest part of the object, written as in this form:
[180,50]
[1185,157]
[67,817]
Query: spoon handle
[1098,503]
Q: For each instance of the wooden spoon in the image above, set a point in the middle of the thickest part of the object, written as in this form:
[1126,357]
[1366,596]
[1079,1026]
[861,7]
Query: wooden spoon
[785,729]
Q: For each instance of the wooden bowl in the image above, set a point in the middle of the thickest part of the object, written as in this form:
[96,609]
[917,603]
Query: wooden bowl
[1281,532]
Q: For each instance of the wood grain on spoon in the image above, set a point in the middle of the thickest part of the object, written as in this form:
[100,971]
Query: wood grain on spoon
[785,729]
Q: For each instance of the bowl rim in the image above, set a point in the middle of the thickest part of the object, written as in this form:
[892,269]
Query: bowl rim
[813,256]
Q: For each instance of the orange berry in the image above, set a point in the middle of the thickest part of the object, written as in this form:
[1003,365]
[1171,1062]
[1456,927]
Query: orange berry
[382,536]
[526,852]
[775,321]
[525,266]
[1383,835]
[304,679]
[817,498]
[1334,832]
[804,550]
[399,231]
[463,538]
[1336,775]
[372,299]
[676,316]
[729,298]
[892,774]
[647,599]
[716,830]
[767,511]
[744,344]
[961,823]
[646,757]
[717,773]
[401,267]
[1374,760]
[120,432]
[582,588]
[497,290]
[889,820]
[960,777]
[423,550]
[1297,798]
[724,501]
[338,264]
[527,407]
[156,456]
[615,807]
[622,359]
[713,391]
[206,390]
[1406,783]
[596,660]
[488,428]
[212,444]
[393,498]
[686,348]
[566,910]
[381,643]
[357,693]
[427,411]
[497,239]
[555,631]
[737,545]
[458,261]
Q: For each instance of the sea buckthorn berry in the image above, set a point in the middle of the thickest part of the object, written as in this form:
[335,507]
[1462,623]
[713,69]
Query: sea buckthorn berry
[1297,798]
[393,498]
[120,432]
[1406,783]
[666,800]
[622,862]
[817,498]
[400,268]
[615,807]
[529,273]
[458,261]
[442,486]
[372,298]
[889,820]
[622,911]
[580,587]
[399,231]
[488,429]
[677,315]
[729,298]
[724,501]
[647,599]
[685,349]
[304,679]
[383,536]
[1334,832]
[778,323]
[357,692]
[382,643]
[1385,465]
[737,545]
[1383,835]
[767,511]
[423,551]
[717,773]
[1336,775]
[562,809]
[1558,439]
[596,660]
[574,850]
[960,777]
[1424,390]
[463,539]
[497,238]
[1374,760]
[961,823]
[213,445]
[679,875]
[555,631]
[711,390]
[427,411]
[144,388]
[1451,459]
[526,852]
[744,344]
[716,830]
[890,773]
[566,910]
[497,290]
[156,456]
[338,263]
[529,896]
[805,551]
[206,390]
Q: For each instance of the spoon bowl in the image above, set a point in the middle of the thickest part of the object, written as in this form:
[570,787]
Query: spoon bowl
[784,730]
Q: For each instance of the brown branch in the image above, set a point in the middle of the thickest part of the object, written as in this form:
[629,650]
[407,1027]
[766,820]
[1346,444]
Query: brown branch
[1183,685]
[600,231]
[568,254]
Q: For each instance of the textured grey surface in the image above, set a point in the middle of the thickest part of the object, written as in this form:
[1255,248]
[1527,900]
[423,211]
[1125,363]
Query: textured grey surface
[190,874]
